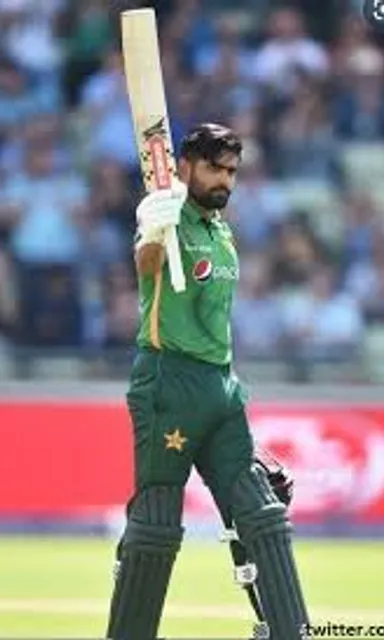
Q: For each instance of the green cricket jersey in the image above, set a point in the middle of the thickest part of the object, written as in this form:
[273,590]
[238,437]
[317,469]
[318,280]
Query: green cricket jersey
[197,321]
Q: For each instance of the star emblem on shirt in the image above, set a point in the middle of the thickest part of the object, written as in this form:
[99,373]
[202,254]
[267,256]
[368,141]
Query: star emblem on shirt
[175,440]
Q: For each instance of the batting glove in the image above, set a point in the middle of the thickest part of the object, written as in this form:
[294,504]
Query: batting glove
[159,210]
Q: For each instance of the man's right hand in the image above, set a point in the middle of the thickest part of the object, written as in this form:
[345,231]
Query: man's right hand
[159,210]
[155,214]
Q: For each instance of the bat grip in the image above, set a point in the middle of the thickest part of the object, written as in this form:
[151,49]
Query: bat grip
[172,248]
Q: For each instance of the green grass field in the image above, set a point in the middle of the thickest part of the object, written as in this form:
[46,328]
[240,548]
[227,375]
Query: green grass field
[60,588]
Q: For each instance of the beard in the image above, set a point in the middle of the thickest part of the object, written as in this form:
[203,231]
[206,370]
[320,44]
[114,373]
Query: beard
[210,200]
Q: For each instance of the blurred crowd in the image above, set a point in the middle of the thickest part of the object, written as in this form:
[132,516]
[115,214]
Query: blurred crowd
[70,181]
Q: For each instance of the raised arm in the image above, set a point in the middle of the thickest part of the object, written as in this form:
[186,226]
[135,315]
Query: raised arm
[155,214]
[149,257]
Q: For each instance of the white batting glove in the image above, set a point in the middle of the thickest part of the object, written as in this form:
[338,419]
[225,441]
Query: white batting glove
[159,210]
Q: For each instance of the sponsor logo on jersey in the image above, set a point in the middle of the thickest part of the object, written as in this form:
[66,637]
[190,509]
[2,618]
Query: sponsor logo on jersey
[202,270]
[224,272]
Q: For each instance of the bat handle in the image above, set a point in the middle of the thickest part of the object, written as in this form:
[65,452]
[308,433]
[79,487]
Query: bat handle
[174,259]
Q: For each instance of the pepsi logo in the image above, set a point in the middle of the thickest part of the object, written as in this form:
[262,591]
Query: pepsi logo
[202,270]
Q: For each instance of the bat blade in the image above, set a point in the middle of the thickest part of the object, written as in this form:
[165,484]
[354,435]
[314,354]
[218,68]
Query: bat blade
[150,117]
[147,98]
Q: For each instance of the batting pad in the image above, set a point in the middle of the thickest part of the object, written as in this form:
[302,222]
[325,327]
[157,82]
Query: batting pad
[265,531]
[151,541]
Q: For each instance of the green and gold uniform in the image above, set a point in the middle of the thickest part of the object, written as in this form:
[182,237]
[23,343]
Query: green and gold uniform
[196,322]
[187,409]
[185,364]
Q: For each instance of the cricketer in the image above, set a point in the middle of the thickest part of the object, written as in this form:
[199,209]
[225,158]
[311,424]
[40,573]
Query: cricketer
[188,407]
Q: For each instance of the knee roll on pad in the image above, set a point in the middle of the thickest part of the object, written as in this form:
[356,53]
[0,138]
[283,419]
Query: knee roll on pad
[148,549]
[265,530]
[155,519]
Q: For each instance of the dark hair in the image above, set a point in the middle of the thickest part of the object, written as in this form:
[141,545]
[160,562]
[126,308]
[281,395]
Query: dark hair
[208,141]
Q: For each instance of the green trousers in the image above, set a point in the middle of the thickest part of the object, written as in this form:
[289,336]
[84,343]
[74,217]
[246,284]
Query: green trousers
[187,412]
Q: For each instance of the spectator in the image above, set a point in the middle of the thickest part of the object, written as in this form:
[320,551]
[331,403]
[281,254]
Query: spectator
[44,228]
[104,96]
[183,104]
[248,125]
[354,34]
[103,243]
[225,83]
[101,240]
[365,281]
[21,98]
[44,129]
[90,39]
[45,242]
[227,44]
[305,146]
[50,311]
[362,222]
[9,308]
[100,243]
[122,307]
[117,197]
[258,204]
[183,108]
[359,109]
[218,65]
[320,323]
[30,38]
[288,48]
[8,213]
[195,33]
[296,251]
[257,318]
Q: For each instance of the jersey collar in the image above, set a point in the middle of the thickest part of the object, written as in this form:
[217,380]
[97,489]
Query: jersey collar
[194,213]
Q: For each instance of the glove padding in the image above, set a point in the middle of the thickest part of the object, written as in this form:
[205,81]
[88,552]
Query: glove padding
[159,210]
[279,476]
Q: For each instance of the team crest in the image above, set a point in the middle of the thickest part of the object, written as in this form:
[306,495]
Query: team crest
[175,440]
[202,270]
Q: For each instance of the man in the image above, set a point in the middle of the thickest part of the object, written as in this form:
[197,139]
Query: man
[187,406]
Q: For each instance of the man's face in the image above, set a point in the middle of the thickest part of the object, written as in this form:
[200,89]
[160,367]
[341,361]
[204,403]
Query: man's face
[210,184]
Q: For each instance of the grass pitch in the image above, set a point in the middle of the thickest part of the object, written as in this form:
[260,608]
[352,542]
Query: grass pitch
[54,587]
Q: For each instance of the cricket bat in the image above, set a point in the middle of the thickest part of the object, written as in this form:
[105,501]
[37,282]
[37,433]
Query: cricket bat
[150,117]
